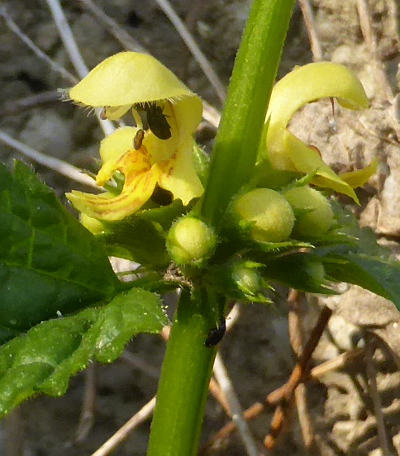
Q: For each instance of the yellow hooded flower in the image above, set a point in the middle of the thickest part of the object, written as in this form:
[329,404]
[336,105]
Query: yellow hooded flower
[157,151]
[303,85]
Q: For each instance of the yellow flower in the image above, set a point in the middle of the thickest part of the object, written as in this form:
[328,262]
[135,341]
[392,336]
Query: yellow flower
[157,151]
[305,84]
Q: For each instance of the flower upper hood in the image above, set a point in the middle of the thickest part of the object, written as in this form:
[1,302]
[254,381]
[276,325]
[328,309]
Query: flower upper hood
[303,85]
[158,150]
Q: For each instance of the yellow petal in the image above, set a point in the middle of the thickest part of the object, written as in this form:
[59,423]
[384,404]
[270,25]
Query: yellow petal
[312,82]
[127,78]
[303,85]
[178,175]
[307,160]
[112,148]
[358,178]
[115,112]
[188,114]
[103,207]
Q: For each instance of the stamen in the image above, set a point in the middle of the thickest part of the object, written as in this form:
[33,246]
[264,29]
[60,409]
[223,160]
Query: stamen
[103,114]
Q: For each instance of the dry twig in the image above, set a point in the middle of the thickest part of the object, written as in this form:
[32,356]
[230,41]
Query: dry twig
[278,395]
[372,46]
[13,107]
[115,440]
[54,65]
[376,400]
[225,383]
[334,364]
[199,56]
[308,18]
[141,364]
[86,418]
[299,373]
[380,73]
[73,52]
[116,30]
[297,341]
[53,163]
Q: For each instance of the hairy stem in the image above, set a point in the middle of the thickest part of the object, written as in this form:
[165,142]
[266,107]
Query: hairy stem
[235,150]
[185,376]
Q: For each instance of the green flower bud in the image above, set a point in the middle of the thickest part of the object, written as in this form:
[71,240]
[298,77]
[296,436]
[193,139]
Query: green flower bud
[248,279]
[315,215]
[190,241]
[270,215]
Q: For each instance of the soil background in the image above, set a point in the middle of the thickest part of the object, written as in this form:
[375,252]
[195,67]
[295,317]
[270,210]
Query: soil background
[257,351]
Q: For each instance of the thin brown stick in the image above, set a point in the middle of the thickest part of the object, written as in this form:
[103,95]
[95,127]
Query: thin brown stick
[335,364]
[376,400]
[115,440]
[297,341]
[19,105]
[141,364]
[298,374]
[380,72]
[86,418]
[36,50]
[278,395]
[194,48]
[71,47]
[308,18]
[115,29]
[219,396]
[371,42]
[296,335]
[221,374]
[60,166]
[301,368]
[304,416]
[273,398]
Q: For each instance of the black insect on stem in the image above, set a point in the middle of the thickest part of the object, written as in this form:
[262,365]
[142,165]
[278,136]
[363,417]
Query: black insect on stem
[216,334]
[156,119]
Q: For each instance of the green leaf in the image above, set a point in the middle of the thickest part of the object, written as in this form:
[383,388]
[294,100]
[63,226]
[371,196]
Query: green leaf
[379,275]
[43,359]
[141,237]
[238,279]
[49,263]
[302,271]
[359,259]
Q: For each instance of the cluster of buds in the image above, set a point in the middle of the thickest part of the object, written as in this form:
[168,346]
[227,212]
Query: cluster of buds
[158,153]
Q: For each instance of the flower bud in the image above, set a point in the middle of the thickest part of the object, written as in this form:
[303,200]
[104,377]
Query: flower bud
[248,279]
[269,214]
[315,215]
[190,241]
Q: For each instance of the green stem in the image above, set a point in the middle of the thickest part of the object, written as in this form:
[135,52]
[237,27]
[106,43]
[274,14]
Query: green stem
[235,150]
[186,372]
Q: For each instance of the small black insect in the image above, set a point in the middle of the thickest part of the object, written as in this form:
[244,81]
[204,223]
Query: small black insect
[138,139]
[156,119]
[216,334]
